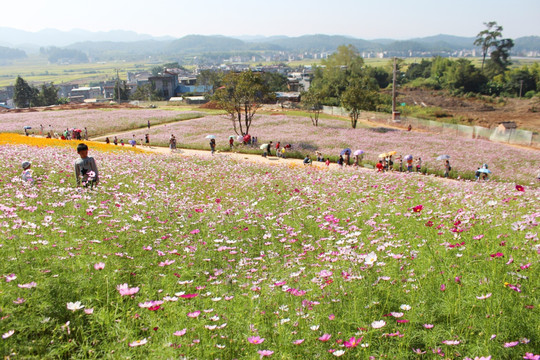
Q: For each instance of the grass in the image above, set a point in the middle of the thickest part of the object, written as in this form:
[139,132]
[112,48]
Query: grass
[222,255]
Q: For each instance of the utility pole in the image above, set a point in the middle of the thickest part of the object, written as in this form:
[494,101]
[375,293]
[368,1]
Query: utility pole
[520,87]
[118,82]
[395,114]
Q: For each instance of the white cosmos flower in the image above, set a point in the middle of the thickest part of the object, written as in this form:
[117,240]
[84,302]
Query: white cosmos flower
[378,324]
[370,258]
[74,306]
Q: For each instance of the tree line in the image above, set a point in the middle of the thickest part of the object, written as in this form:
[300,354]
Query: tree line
[26,95]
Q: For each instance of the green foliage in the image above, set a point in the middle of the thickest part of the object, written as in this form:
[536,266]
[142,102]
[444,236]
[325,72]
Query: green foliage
[210,78]
[464,77]
[360,95]
[57,55]
[146,92]
[312,101]
[121,91]
[11,54]
[274,81]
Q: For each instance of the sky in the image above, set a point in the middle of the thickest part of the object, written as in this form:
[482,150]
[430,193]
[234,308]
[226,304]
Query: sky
[371,19]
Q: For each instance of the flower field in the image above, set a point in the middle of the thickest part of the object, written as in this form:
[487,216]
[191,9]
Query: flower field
[506,162]
[208,258]
[98,122]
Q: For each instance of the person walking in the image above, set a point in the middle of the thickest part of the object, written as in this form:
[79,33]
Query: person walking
[447,168]
[213,146]
[85,134]
[419,165]
[115,141]
[267,151]
[277,148]
[148,124]
[107,141]
[147,139]
[231,142]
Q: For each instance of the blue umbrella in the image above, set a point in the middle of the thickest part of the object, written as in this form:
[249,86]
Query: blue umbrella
[27,127]
[443,157]
[486,171]
[345,151]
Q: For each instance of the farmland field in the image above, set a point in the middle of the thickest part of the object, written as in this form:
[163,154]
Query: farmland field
[209,258]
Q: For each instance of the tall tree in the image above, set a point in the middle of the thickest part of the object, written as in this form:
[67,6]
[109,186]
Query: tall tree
[360,95]
[146,92]
[121,91]
[241,95]
[312,101]
[500,57]
[48,95]
[487,38]
[24,95]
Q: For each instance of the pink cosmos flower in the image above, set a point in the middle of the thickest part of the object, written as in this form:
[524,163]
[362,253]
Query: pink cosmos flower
[194,314]
[264,353]
[325,273]
[256,339]
[531,356]
[89,311]
[325,337]
[298,342]
[8,334]
[138,343]
[353,342]
[331,317]
[511,344]
[196,231]
[443,287]
[520,188]
[99,266]
[378,324]
[180,332]
[125,290]
[428,326]
[10,277]
[418,208]
[27,286]
[451,342]
[498,254]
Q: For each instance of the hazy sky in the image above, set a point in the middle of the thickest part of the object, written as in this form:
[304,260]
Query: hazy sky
[366,19]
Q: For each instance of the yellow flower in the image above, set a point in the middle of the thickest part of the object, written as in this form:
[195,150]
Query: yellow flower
[16,139]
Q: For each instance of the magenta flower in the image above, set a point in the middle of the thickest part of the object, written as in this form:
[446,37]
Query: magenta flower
[352,342]
[418,208]
[511,344]
[443,287]
[99,266]
[196,231]
[498,254]
[298,342]
[188,296]
[520,188]
[325,337]
[256,339]
[531,356]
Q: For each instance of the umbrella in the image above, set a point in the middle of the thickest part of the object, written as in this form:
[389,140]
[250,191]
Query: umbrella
[77,130]
[263,146]
[391,153]
[486,171]
[132,142]
[345,151]
[443,157]
[240,138]
[383,155]
[407,157]
[232,137]
[210,136]
[358,152]
[27,127]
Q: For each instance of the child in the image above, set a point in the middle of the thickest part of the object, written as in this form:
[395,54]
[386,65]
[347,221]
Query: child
[85,167]
[213,145]
[380,166]
[477,174]
[418,164]
[327,162]
[307,160]
[27,173]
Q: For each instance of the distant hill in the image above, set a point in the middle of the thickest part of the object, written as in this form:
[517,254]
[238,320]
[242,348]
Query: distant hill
[52,37]
[322,43]
[128,45]
[11,54]
[202,44]
[527,43]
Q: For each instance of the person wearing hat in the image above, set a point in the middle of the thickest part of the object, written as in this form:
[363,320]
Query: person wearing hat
[27,173]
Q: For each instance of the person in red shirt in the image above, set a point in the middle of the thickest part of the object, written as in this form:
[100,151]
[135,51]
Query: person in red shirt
[380,166]
[231,142]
